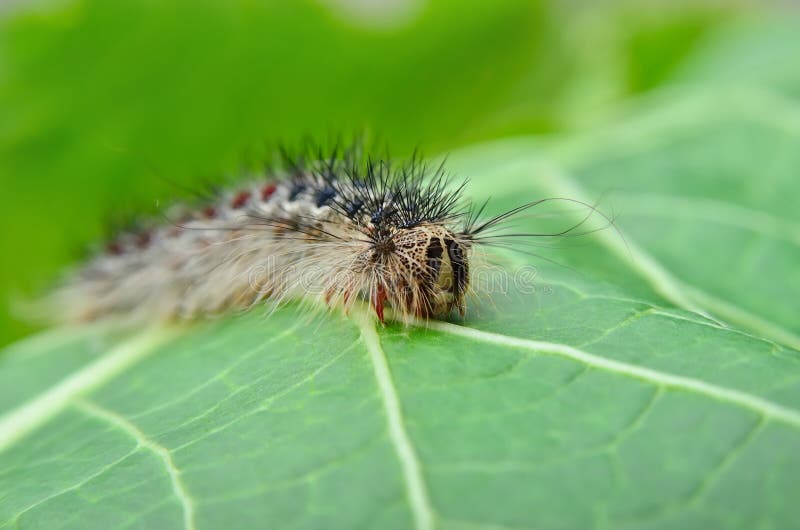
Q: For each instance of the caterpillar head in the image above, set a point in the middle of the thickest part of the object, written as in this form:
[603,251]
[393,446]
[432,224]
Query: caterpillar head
[422,271]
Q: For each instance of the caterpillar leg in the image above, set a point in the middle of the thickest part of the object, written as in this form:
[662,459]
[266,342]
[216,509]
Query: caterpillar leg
[378,298]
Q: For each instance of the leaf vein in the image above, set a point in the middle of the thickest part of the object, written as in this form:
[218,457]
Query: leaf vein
[75,486]
[412,473]
[21,421]
[669,286]
[266,403]
[118,421]
[744,400]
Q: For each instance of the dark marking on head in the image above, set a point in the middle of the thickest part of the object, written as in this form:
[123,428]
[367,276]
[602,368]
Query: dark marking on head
[460,267]
[434,257]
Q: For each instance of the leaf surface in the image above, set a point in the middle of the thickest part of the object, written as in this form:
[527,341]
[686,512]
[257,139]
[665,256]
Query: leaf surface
[649,383]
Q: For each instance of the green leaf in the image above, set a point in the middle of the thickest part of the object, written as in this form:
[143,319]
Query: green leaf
[649,383]
[755,52]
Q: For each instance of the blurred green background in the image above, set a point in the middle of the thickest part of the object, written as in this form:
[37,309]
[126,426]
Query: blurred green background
[106,106]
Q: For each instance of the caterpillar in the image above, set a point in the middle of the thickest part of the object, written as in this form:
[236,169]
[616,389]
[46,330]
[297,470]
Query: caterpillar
[335,227]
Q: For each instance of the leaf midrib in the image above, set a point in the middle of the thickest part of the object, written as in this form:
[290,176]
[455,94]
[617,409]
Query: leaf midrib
[419,500]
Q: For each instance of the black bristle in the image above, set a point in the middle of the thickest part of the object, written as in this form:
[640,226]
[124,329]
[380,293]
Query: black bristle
[385,194]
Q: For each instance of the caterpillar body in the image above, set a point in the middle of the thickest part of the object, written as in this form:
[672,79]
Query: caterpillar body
[338,228]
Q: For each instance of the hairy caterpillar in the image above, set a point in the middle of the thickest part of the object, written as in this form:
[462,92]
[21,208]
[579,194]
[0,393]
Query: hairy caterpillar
[338,227]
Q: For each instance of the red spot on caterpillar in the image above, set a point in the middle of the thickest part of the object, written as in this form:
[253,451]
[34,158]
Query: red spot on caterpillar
[331,292]
[267,191]
[240,199]
[209,212]
[378,298]
[114,248]
[143,239]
